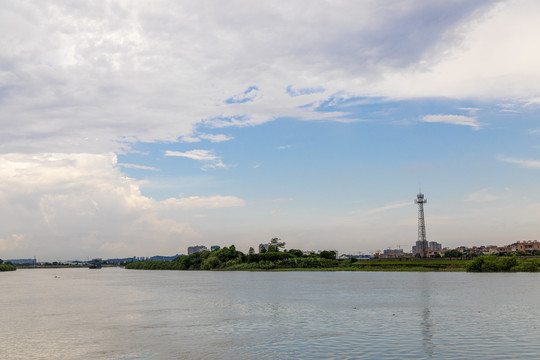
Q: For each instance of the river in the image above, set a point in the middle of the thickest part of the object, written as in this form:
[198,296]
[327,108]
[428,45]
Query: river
[113,313]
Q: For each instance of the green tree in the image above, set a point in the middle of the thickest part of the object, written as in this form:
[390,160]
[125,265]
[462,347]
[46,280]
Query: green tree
[296,252]
[453,253]
[327,254]
[507,263]
[275,245]
[529,265]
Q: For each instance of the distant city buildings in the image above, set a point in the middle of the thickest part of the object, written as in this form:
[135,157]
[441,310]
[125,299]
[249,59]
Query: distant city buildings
[214,247]
[196,249]
[357,257]
[433,247]
[22,261]
[528,247]
[393,253]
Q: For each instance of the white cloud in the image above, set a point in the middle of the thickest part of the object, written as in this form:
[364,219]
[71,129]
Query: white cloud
[215,165]
[79,205]
[485,55]
[534,164]
[143,71]
[211,160]
[137,166]
[201,202]
[471,110]
[452,119]
[190,139]
[482,195]
[203,155]
[216,138]
[13,243]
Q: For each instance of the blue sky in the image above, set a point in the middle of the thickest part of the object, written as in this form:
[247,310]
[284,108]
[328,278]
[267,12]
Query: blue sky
[144,128]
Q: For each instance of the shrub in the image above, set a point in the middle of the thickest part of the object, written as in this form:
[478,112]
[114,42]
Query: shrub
[529,265]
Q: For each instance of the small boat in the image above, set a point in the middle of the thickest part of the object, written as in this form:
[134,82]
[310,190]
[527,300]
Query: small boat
[95,266]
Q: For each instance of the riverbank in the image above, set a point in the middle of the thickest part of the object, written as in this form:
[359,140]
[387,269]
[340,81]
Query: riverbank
[229,259]
[364,265]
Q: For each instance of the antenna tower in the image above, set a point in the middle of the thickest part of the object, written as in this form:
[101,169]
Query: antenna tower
[421,244]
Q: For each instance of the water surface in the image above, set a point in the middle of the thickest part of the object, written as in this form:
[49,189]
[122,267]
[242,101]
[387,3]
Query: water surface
[114,313]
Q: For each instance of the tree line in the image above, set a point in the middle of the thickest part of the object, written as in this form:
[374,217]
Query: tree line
[271,256]
[231,259]
[509,263]
[7,266]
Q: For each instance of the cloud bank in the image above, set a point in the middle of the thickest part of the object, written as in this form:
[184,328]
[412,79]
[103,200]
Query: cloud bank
[83,81]
[94,77]
[82,204]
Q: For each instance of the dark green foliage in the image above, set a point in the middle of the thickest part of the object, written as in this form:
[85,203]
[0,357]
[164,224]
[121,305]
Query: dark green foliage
[149,265]
[202,260]
[269,256]
[190,262]
[507,263]
[327,254]
[529,265]
[7,266]
[481,263]
[296,252]
[453,253]
[492,263]
[275,245]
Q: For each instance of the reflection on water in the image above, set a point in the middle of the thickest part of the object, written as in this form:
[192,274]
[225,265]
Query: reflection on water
[427,323]
[122,314]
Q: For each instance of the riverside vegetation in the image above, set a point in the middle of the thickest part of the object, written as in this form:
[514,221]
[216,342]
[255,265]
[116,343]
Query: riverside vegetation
[7,266]
[228,258]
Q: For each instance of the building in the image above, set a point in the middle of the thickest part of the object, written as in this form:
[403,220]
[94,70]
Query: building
[196,249]
[393,253]
[214,247]
[22,261]
[528,246]
[433,247]
[164,258]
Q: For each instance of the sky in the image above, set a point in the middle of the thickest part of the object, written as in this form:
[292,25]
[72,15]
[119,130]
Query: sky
[138,128]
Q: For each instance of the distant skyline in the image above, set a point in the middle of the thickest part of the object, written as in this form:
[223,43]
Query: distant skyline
[142,128]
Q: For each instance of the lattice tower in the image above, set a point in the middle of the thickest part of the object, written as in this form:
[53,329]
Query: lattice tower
[422,239]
